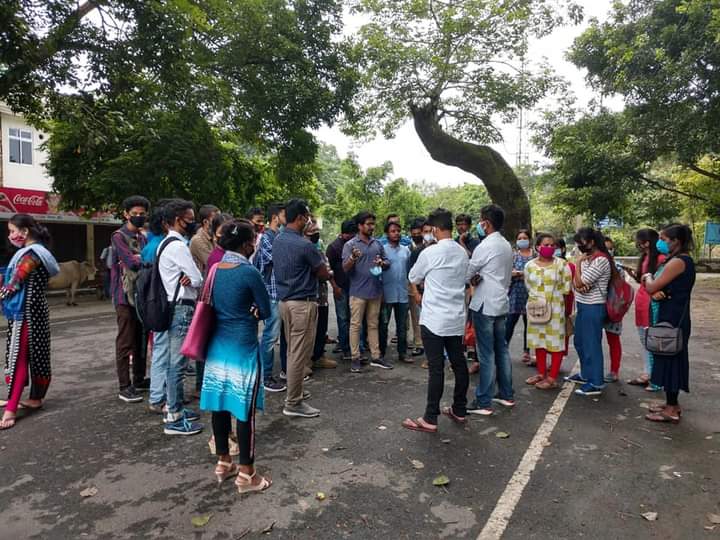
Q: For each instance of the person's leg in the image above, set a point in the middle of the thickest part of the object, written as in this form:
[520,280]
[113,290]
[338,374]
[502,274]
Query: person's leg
[646,354]
[385,314]
[503,366]
[311,316]
[124,344]
[525,328]
[456,352]
[671,398]
[582,330]
[357,314]
[295,370]
[221,425]
[593,344]
[484,342]
[283,348]
[541,359]
[321,332]
[510,322]
[434,352]
[372,315]
[139,362]
[401,320]
[342,313]
[415,319]
[22,372]
[271,331]
[159,367]
[177,363]
[615,346]
[556,362]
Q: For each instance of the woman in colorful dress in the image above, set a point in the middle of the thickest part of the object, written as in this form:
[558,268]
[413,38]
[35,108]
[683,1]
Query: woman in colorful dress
[232,384]
[518,294]
[548,277]
[670,290]
[25,306]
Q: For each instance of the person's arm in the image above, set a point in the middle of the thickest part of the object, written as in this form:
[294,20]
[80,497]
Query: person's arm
[577,279]
[191,276]
[125,255]
[263,259]
[315,260]
[348,258]
[261,299]
[478,260]
[595,270]
[385,262]
[672,270]
[26,266]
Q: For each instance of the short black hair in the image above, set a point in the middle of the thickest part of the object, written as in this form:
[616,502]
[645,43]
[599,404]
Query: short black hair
[363,216]
[441,218]
[296,208]
[206,210]
[608,239]
[494,214]
[135,200]
[463,218]
[157,218]
[273,210]
[255,211]
[174,209]
[393,224]
[417,223]
[348,227]
[236,233]
[390,216]
[542,236]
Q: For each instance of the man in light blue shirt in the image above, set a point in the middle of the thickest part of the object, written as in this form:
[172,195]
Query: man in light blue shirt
[404,240]
[395,292]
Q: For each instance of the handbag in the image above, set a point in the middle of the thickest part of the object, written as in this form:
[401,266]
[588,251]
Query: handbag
[664,339]
[203,322]
[469,338]
[538,309]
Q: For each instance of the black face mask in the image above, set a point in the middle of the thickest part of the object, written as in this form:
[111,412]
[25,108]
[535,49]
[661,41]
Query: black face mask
[584,248]
[138,221]
[417,239]
[191,228]
[314,238]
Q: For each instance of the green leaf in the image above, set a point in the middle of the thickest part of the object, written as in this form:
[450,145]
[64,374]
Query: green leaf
[201,521]
[441,480]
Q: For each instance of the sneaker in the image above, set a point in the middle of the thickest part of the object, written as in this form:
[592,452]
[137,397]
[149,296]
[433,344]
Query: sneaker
[187,414]
[504,402]
[130,395]
[157,408]
[183,427]
[474,408]
[325,363]
[419,351]
[588,389]
[611,377]
[306,394]
[190,370]
[576,379]
[142,386]
[283,376]
[381,363]
[356,366]
[302,410]
[271,385]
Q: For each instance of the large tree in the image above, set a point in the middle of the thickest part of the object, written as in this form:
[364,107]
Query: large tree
[458,70]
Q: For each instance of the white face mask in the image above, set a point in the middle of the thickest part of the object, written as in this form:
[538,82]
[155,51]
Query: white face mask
[429,237]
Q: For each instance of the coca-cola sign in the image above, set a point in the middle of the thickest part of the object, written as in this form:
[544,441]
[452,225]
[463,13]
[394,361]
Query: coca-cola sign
[23,201]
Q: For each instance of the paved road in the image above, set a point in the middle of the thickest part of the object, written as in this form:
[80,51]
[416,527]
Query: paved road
[603,467]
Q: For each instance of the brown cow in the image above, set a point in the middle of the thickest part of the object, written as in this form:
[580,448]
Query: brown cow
[72,274]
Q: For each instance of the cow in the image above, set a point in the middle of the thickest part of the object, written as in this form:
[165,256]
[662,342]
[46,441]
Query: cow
[72,274]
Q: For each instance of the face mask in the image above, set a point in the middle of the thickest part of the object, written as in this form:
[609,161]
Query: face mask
[375,270]
[546,252]
[611,252]
[17,240]
[480,230]
[662,246]
[417,239]
[138,221]
[523,244]
[558,252]
[428,238]
[191,228]
[583,249]
[314,238]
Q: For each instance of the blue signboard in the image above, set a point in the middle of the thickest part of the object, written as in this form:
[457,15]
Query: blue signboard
[712,233]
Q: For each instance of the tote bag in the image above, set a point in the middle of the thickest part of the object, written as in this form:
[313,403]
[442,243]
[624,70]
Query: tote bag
[203,323]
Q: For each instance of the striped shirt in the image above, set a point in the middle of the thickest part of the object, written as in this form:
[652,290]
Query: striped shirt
[595,273]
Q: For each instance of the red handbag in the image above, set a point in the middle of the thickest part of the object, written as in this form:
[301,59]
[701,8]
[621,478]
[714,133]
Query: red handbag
[469,338]
[203,322]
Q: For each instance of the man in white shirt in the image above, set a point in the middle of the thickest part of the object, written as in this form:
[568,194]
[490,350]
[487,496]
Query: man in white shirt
[442,267]
[180,275]
[490,271]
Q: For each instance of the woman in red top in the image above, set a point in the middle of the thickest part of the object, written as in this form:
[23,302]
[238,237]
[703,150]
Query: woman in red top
[650,261]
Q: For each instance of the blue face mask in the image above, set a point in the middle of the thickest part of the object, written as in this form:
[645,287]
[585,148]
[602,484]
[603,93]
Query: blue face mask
[662,246]
[558,252]
[480,230]
[523,244]
[375,270]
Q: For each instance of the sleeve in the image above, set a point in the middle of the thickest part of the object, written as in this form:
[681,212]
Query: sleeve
[477,261]
[313,256]
[419,269]
[186,264]
[566,279]
[259,292]
[595,270]
[263,258]
[383,256]
[346,252]
[26,266]
[124,254]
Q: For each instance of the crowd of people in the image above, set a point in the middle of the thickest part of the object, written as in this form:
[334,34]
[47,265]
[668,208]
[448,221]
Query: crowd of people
[446,293]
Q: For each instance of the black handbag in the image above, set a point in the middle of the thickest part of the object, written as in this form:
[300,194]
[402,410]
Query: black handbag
[664,339]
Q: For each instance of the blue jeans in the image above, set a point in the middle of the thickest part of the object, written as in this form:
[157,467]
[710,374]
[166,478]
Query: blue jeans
[401,317]
[271,332]
[588,341]
[342,314]
[158,368]
[166,353]
[492,350]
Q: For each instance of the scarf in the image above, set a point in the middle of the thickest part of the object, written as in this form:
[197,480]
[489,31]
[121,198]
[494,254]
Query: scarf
[13,306]
[233,257]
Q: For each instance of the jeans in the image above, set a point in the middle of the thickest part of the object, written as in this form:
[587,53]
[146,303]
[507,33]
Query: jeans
[342,314]
[588,341]
[321,332]
[435,348]
[166,352]
[271,332]
[494,358]
[158,369]
[401,318]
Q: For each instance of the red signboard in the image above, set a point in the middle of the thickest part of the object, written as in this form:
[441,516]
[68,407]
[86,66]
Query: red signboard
[23,201]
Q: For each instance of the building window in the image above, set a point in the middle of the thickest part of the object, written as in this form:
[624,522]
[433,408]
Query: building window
[21,146]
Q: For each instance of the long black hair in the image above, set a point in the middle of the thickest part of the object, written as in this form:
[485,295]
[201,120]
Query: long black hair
[651,236]
[38,232]
[682,233]
[586,234]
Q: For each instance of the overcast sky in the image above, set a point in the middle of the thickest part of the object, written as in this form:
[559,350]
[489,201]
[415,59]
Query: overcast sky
[411,160]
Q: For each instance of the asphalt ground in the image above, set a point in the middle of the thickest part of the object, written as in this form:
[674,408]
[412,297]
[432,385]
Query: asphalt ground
[601,469]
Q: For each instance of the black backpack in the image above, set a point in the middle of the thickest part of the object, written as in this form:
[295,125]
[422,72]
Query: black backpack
[154,309]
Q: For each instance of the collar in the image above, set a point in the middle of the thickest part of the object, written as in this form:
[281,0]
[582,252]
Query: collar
[175,234]
[370,241]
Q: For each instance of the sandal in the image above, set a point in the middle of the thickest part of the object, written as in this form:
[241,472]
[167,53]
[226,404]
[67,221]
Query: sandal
[247,486]
[448,411]
[547,384]
[639,381]
[534,380]
[526,359]
[662,417]
[652,388]
[419,425]
[661,408]
[225,470]
[7,423]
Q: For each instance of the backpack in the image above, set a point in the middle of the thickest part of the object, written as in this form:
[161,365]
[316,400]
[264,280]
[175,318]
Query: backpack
[154,309]
[619,299]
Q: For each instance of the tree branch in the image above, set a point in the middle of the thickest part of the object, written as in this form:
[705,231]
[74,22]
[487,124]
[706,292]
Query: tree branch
[662,186]
[703,172]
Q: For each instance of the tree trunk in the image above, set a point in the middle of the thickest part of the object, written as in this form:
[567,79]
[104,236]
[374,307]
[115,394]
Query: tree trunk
[488,165]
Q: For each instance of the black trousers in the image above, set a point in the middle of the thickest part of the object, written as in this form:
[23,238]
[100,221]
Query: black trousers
[129,343]
[321,333]
[510,322]
[435,347]
[222,425]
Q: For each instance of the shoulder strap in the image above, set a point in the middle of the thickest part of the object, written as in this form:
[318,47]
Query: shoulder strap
[165,244]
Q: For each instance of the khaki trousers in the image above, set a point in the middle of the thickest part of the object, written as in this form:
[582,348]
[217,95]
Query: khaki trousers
[360,309]
[299,319]
[415,318]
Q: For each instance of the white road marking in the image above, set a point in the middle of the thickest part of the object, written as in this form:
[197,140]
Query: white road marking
[503,511]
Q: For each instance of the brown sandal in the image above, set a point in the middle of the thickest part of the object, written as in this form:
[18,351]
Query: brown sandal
[547,384]
[661,408]
[534,380]
[662,417]
[448,411]
[419,425]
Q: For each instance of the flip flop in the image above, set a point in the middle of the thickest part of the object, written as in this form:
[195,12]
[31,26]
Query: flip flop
[447,411]
[419,425]
[638,381]
[24,405]
[663,418]
[660,408]
[12,422]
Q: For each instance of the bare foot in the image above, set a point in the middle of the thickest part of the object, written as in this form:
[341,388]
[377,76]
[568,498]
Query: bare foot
[8,420]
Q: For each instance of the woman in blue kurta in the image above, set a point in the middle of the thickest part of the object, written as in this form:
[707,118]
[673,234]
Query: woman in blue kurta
[232,384]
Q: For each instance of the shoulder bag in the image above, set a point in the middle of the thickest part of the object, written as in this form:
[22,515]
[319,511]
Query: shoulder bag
[664,339]
[203,322]
[538,309]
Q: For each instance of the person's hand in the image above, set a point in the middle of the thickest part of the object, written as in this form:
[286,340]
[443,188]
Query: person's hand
[337,293]
[418,298]
[254,311]
[378,261]
[475,280]
[356,253]
[658,296]
[185,281]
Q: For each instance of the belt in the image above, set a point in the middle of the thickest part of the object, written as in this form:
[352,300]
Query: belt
[306,299]
[185,302]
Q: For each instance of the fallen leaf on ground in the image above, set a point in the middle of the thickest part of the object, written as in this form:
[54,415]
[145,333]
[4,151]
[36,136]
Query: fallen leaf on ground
[201,521]
[441,480]
[714,519]
[320,496]
[502,435]
[650,516]
[269,528]
[89,492]
[417,464]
